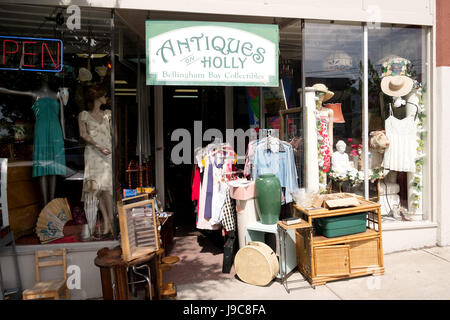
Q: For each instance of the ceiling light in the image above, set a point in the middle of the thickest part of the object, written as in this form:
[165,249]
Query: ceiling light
[92,55]
[186,90]
[177,96]
[120,82]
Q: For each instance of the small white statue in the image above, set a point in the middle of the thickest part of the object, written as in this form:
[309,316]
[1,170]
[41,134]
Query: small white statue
[340,162]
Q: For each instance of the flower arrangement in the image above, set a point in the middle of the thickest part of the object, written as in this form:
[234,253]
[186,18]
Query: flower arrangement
[355,177]
[420,159]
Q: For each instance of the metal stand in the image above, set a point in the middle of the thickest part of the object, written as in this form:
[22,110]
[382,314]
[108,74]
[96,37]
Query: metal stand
[282,233]
[282,249]
[9,238]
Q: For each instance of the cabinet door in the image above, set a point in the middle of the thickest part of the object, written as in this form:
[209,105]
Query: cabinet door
[364,254]
[332,260]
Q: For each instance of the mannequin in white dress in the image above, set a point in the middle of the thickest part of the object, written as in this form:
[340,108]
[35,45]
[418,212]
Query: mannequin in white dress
[95,129]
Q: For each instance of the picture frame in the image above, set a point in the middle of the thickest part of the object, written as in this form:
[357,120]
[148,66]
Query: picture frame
[138,229]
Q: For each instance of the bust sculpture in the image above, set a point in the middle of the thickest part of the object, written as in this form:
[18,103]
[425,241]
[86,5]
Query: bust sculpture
[340,162]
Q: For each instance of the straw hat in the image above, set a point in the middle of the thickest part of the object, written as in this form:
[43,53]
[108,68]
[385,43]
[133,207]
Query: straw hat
[397,86]
[323,88]
[396,81]
[84,75]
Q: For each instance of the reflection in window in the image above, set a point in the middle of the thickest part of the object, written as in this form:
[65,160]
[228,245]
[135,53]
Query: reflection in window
[333,72]
[39,131]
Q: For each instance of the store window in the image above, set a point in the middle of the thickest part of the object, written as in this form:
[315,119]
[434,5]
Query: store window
[396,112]
[55,126]
[333,76]
[398,109]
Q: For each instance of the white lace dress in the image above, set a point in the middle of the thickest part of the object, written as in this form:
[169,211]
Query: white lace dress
[402,151]
[97,166]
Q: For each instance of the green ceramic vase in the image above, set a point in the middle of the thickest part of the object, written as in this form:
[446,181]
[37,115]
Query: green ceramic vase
[268,197]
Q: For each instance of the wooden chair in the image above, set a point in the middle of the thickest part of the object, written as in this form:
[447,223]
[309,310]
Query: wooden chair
[48,289]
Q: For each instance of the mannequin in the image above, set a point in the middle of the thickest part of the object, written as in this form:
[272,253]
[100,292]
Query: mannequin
[48,151]
[95,129]
[324,118]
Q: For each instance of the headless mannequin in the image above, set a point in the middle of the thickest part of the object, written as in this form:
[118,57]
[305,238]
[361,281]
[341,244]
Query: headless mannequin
[105,198]
[48,182]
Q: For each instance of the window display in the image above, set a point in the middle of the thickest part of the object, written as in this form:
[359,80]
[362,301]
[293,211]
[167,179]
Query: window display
[397,105]
[396,112]
[333,66]
[39,129]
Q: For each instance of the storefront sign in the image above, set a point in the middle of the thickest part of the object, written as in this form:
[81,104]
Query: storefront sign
[31,54]
[209,53]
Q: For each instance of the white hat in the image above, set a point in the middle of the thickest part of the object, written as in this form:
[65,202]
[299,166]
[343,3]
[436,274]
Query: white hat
[84,74]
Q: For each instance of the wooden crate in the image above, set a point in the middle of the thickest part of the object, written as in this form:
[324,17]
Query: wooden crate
[138,229]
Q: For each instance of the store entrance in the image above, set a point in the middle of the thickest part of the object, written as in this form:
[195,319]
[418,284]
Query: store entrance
[182,107]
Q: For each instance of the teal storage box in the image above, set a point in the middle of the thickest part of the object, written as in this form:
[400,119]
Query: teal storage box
[341,225]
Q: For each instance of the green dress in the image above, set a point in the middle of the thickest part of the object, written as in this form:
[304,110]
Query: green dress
[48,152]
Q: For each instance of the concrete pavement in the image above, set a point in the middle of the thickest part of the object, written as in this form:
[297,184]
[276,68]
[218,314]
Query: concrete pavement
[416,274]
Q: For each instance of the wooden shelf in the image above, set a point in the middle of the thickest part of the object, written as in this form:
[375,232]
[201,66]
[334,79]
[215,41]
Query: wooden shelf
[323,212]
[353,237]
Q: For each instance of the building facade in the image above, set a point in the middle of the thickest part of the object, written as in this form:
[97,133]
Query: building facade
[342,44]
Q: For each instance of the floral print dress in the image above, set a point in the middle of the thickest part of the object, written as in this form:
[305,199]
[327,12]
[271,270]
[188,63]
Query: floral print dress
[323,141]
[97,166]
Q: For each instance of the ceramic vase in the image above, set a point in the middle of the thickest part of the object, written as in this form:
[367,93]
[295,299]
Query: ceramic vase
[268,197]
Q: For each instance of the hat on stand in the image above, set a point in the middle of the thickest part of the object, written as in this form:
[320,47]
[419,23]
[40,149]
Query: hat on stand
[396,80]
[320,87]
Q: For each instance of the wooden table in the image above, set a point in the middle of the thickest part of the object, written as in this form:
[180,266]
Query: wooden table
[321,259]
[117,288]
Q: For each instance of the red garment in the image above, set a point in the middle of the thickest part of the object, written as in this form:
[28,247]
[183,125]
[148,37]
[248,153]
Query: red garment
[196,187]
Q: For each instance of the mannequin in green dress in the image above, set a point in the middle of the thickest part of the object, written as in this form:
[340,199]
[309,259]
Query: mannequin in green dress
[48,149]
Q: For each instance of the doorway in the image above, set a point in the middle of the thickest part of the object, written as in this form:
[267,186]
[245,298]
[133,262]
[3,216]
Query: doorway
[182,107]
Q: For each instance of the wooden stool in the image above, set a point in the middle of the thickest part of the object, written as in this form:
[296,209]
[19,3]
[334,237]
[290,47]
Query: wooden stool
[167,290]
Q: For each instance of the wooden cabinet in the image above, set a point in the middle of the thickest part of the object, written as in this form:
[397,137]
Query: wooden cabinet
[321,259]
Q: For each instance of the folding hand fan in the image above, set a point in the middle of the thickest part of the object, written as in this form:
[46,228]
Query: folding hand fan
[51,220]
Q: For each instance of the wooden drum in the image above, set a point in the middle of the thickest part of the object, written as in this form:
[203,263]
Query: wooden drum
[256,264]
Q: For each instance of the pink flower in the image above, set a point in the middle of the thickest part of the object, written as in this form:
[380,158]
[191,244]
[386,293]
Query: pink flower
[349,139]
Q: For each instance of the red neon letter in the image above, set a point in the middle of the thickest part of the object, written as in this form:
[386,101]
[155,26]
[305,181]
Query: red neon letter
[24,53]
[4,50]
[51,57]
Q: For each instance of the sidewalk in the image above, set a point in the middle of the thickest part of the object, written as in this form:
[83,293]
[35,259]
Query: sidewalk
[417,274]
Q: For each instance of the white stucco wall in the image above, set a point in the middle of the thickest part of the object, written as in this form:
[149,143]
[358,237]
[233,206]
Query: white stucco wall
[418,12]
[441,174]
[78,254]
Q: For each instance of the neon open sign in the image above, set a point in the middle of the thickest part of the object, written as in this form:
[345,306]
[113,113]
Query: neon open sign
[31,54]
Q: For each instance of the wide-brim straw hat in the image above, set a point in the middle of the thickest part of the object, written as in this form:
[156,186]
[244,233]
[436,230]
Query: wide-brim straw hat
[323,88]
[397,86]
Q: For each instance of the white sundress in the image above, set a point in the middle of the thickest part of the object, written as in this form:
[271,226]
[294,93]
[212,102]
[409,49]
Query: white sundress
[402,151]
[97,166]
